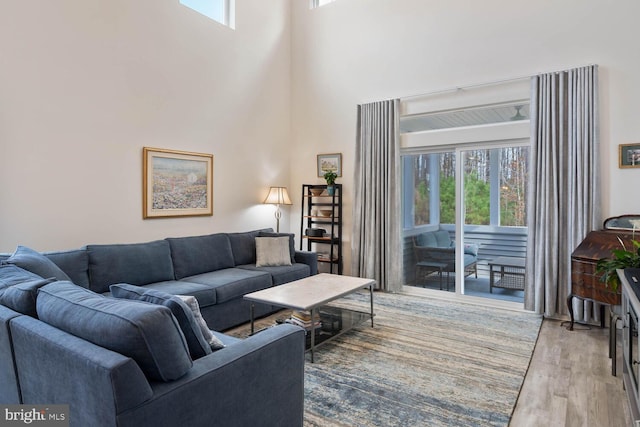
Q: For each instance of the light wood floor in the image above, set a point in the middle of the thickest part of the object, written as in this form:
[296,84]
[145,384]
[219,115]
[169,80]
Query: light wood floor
[569,382]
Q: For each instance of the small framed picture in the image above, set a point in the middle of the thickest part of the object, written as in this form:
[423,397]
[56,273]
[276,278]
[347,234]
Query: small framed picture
[629,155]
[329,162]
[176,183]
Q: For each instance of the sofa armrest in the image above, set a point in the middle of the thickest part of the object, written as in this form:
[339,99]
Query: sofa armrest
[9,390]
[55,367]
[435,254]
[309,258]
[258,381]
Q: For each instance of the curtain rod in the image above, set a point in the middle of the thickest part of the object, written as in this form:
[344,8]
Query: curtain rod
[478,85]
[457,88]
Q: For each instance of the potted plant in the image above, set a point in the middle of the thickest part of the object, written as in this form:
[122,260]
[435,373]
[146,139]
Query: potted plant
[620,259]
[330,177]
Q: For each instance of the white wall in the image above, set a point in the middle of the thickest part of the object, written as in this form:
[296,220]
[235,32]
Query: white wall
[85,84]
[358,51]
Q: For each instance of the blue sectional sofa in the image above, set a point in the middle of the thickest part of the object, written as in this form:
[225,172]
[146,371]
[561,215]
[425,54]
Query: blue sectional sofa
[65,339]
[217,269]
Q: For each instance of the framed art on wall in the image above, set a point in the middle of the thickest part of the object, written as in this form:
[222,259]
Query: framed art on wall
[330,162]
[629,155]
[176,183]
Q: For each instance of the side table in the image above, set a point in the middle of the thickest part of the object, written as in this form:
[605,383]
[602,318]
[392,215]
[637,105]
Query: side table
[510,271]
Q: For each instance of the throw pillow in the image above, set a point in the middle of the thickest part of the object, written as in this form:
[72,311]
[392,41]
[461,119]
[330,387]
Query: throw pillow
[22,297]
[36,263]
[292,243]
[147,333]
[272,251]
[11,275]
[192,302]
[471,249]
[198,346]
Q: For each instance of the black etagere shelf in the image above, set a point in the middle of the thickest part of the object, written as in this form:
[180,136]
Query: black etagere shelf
[321,225]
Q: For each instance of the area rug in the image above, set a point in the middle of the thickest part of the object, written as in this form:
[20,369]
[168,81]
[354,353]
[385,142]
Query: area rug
[426,362]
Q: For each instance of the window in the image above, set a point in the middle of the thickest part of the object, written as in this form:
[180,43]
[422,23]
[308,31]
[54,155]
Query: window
[494,187]
[494,165]
[222,11]
[318,3]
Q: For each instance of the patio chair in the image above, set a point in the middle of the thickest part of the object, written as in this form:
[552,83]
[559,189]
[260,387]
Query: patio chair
[435,253]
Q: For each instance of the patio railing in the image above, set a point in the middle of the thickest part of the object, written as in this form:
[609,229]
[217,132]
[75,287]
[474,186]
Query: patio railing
[493,242]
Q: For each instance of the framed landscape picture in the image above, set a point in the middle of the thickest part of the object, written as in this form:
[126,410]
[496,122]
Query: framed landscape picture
[176,183]
[329,162]
[629,155]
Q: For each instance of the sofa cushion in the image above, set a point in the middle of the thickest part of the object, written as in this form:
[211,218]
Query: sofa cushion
[292,243]
[282,274]
[11,275]
[75,263]
[135,263]
[272,251]
[196,342]
[200,254]
[147,333]
[243,245]
[438,239]
[205,294]
[36,263]
[426,239]
[443,240]
[233,283]
[22,296]
[212,340]
[469,259]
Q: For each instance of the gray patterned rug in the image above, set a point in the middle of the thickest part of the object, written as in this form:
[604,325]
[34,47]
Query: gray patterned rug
[425,363]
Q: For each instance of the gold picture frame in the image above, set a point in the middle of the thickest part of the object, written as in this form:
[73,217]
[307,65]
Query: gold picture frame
[629,155]
[176,183]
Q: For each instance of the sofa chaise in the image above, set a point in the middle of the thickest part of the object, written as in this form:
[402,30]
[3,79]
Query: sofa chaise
[119,332]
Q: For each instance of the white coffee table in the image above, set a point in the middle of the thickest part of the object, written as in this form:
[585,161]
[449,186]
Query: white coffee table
[311,293]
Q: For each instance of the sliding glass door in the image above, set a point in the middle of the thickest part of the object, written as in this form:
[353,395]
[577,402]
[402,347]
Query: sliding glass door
[465,219]
[429,200]
[494,219]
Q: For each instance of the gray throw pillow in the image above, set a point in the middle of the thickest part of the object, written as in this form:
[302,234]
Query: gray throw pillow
[36,263]
[292,243]
[192,302]
[197,343]
[22,297]
[272,251]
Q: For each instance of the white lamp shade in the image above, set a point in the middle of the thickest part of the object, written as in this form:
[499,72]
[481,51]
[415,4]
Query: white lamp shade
[278,196]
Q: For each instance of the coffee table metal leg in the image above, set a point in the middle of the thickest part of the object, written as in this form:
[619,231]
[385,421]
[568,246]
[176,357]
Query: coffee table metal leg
[252,309]
[313,333]
[371,298]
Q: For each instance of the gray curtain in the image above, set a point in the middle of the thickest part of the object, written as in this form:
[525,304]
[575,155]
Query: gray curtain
[376,247]
[563,184]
